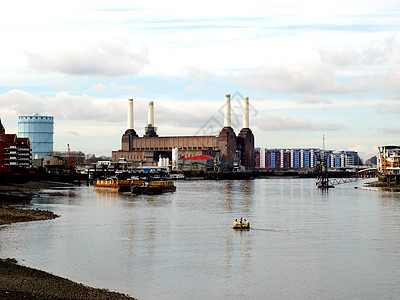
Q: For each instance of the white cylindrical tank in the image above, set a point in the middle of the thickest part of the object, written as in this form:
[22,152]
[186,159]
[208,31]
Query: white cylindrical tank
[227,121]
[159,164]
[151,113]
[246,112]
[174,159]
[130,114]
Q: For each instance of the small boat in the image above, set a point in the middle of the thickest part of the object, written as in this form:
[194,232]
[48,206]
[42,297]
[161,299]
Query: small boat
[153,187]
[321,185]
[241,224]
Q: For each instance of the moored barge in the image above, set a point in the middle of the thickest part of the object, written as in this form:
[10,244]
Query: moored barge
[153,187]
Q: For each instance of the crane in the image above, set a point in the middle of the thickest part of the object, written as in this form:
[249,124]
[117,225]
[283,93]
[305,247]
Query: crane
[71,164]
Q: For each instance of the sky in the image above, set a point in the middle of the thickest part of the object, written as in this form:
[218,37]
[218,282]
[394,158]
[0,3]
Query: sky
[310,69]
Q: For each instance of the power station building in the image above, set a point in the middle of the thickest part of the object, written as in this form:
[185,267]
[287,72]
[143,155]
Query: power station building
[39,130]
[229,150]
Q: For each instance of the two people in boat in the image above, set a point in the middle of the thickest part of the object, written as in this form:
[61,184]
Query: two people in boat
[241,220]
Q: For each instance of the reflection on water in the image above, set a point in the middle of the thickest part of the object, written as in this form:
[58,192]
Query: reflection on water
[304,243]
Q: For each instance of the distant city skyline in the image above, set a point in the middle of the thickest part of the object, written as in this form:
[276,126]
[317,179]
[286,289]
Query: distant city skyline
[309,68]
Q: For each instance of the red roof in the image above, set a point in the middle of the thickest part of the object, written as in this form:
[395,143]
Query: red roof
[199,157]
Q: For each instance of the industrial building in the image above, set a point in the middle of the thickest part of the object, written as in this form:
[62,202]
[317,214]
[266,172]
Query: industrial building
[389,160]
[15,153]
[39,130]
[303,158]
[228,150]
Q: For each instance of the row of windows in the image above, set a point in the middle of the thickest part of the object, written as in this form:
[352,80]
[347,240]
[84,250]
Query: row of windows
[36,118]
[140,156]
[170,148]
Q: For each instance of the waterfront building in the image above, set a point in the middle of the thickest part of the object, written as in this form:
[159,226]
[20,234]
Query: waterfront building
[231,151]
[15,153]
[77,158]
[39,130]
[388,160]
[349,159]
[303,158]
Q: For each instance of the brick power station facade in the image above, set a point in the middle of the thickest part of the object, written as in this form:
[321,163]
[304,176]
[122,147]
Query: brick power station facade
[228,147]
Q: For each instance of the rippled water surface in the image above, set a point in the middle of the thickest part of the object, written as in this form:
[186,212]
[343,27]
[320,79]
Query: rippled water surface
[304,243]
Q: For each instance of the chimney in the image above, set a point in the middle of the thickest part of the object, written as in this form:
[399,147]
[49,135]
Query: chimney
[227,121]
[246,112]
[130,114]
[151,114]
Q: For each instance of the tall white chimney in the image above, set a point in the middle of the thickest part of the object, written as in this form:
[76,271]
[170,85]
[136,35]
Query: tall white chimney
[227,121]
[151,114]
[246,112]
[130,114]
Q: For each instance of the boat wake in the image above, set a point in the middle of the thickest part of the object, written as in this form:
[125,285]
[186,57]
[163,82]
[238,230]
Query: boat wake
[268,229]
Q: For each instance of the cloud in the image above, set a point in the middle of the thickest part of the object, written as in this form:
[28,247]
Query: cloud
[109,57]
[190,88]
[390,130]
[20,101]
[58,85]
[384,108]
[274,122]
[72,133]
[307,78]
[121,88]
[99,88]
[391,80]
[311,99]
[64,106]
[303,78]
[198,75]
[377,53]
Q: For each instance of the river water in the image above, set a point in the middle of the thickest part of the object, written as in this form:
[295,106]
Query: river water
[304,243]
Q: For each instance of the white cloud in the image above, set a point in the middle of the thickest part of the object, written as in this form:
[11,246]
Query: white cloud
[106,56]
[63,106]
[274,122]
[392,79]
[375,53]
[121,88]
[20,101]
[384,108]
[390,130]
[198,75]
[311,99]
[306,78]
[99,88]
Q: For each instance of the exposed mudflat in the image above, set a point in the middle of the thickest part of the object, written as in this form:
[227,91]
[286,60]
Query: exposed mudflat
[19,282]
[10,215]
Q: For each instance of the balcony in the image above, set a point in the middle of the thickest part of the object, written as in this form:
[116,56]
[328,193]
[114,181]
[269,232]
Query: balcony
[24,154]
[24,159]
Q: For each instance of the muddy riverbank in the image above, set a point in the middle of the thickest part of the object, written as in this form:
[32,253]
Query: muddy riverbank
[19,282]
